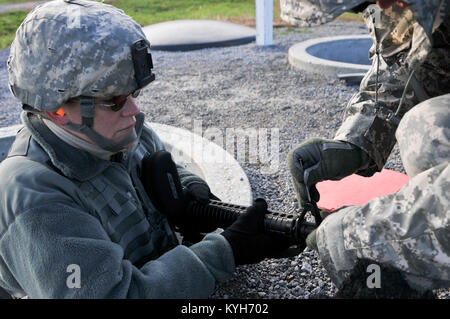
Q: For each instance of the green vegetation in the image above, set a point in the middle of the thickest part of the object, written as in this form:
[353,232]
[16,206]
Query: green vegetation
[147,12]
[348,16]
[9,22]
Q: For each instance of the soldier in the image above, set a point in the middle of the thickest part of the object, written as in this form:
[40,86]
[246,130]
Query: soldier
[404,97]
[76,220]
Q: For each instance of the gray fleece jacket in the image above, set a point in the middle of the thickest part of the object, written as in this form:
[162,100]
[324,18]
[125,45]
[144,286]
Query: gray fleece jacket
[75,226]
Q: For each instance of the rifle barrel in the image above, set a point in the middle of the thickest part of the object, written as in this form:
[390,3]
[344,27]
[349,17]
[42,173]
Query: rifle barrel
[220,214]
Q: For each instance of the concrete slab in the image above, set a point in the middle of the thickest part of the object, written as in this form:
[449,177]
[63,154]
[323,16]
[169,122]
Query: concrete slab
[185,35]
[332,55]
[216,166]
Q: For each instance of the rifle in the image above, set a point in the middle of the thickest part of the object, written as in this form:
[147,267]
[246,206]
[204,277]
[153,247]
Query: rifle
[161,182]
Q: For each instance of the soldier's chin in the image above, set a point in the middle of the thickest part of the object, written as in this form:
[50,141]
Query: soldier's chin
[125,133]
[132,137]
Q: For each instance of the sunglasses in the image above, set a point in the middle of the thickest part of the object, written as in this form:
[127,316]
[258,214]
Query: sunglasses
[118,102]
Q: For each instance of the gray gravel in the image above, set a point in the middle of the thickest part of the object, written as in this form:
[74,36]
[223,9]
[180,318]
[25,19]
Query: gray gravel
[250,87]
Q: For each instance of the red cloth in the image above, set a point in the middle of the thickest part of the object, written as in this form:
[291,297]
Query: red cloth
[358,190]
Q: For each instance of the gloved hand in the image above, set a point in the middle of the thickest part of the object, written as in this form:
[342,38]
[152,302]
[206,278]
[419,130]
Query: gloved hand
[311,240]
[200,192]
[194,232]
[247,238]
[319,159]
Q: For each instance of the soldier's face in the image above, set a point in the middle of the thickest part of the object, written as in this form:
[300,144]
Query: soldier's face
[111,125]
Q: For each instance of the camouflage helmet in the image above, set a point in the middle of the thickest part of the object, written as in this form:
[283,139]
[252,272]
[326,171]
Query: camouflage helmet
[66,49]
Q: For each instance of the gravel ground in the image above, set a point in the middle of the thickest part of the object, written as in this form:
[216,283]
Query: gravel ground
[250,87]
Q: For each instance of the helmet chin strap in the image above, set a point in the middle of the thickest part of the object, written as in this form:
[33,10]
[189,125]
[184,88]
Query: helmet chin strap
[86,128]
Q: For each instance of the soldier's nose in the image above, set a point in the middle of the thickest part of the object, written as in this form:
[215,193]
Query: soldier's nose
[130,108]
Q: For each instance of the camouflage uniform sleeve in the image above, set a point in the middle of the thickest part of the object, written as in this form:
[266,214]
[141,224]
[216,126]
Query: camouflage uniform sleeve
[309,13]
[402,46]
[409,229]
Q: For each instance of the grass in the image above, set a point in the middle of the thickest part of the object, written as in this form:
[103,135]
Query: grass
[147,12]
[348,16]
[9,23]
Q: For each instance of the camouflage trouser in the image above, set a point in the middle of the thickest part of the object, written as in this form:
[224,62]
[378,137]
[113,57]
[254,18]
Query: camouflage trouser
[408,230]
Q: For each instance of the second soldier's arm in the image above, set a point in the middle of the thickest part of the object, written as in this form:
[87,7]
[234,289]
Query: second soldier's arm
[369,121]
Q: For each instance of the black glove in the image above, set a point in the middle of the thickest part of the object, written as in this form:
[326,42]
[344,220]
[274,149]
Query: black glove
[193,232]
[319,159]
[247,238]
[200,192]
